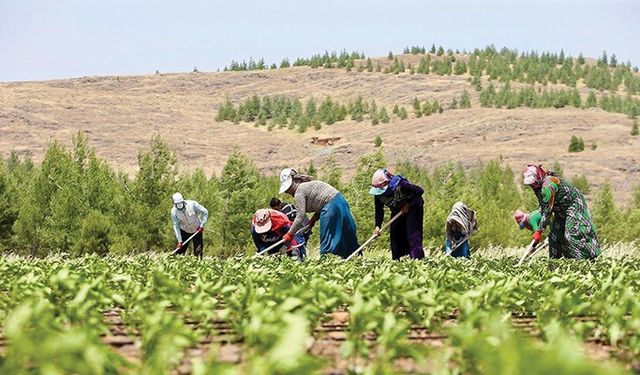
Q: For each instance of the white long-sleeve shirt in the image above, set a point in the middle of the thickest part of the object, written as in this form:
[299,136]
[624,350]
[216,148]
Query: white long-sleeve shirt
[193,215]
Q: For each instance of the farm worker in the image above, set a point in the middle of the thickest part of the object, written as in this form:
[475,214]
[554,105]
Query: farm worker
[529,221]
[461,224]
[397,193]
[286,208]
[573,234]
[289,210]
[270,226]
[188,217]
[337,229]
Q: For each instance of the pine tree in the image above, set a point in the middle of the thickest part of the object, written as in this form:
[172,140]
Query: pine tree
[581,59]
[384,116]
[396,110]
[330,172]
[575,100]
[402,113]
[378,141]
[465,100]
[576,144]
[603,59]
[390,55]
[311,169]
[436,107]
[416,107]
[487,96]
[591,100]
[285,63]
[369,65]
[433,48]
[634,129]
[427,110]
[581,183]
[238,189]
[440,51]
[454,104]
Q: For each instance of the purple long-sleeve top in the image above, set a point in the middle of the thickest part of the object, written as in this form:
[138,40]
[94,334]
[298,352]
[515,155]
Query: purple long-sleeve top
[395,198]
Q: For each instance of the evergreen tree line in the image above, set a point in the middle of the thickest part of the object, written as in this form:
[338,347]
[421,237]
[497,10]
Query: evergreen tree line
[504,65]
[538,98]
[343,59]
[284,112]
[528,67]
[75,202]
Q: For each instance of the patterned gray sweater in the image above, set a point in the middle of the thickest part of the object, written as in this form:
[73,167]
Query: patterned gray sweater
[311,197]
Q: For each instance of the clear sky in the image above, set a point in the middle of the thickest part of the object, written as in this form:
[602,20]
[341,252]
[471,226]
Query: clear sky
[49,39]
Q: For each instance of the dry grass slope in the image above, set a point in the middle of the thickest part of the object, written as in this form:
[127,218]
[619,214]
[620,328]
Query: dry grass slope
[121,113]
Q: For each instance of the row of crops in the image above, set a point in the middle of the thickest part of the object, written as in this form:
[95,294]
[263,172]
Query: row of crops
[153,314]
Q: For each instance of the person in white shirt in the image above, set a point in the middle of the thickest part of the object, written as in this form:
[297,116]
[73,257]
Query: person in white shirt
[188,217]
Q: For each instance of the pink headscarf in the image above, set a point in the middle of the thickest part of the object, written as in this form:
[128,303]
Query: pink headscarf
[534,175]
[521,217]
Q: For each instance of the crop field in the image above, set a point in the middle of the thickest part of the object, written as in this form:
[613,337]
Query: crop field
[154,314]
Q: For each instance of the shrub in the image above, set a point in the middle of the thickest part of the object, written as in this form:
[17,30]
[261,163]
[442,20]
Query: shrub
[576,144]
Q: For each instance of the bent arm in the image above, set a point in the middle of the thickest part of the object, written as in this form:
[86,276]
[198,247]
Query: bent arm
[176,227]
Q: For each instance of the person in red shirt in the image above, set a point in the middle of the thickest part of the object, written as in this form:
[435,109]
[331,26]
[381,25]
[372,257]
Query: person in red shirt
[269,226]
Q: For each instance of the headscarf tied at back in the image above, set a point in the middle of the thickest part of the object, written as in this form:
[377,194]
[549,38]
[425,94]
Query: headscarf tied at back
[533,175]
[521,218]
[462,219]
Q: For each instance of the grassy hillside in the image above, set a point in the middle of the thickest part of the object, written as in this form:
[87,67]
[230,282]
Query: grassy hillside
[121,113]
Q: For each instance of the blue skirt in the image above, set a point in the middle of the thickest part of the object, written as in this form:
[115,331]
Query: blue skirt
[337,228]
[463,250]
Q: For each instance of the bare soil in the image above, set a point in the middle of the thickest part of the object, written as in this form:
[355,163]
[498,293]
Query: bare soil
[327,340]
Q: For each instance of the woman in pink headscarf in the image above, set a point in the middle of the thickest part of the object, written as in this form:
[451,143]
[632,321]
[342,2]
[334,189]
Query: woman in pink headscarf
[397,193]
[573,234]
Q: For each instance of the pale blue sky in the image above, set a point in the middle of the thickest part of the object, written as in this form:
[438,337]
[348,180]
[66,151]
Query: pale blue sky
[69,38]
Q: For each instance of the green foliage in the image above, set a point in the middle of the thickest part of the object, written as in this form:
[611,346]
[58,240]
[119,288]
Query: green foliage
[330,172]
[238,187]
[291,113]
[607,216]
[52,313]
[74,202]
[580,182]
[383,115]
[634,128]
[402,113]
[576,144]
[465,100]
[378,141]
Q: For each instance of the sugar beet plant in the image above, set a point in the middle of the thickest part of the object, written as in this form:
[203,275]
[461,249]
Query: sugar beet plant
[51,314]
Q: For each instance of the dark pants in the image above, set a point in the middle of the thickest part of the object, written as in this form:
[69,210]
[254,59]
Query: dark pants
[406,233]
[198,246]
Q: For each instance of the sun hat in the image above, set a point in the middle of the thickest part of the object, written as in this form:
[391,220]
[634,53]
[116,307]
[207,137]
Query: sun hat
[177,198]
[262,221]
[286,179]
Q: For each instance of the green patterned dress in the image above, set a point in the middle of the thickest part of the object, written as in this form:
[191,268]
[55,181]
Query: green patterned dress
[573,234]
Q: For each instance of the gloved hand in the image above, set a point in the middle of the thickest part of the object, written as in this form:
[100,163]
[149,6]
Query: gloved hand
[288,238]
[200,230]
[537,236]
[376,231]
